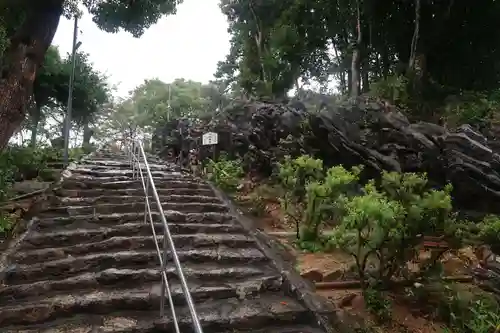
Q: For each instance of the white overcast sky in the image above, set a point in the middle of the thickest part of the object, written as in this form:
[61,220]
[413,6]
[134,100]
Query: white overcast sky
[186,45]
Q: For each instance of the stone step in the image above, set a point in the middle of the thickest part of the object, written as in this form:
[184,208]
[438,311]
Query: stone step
[72,183]
[121,218]
[63,245]
[121,178]
[99,166]
[221,315]
[114,172]
[120,159]
[84,193]
[116,199]
[135,228]
[196,273]
[123,281]
[71,266]
[129,207]
[122,163]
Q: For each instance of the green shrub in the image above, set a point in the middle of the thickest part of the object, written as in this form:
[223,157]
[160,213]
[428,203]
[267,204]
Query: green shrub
[377,304]
[225,173]
[295,175]
[6,223]
[313,196]
[386,224]
[468,312]
[489,232]
[23,163]
[471,108]
[393,89]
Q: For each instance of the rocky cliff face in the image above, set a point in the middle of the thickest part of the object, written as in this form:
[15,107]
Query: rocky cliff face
[352,133]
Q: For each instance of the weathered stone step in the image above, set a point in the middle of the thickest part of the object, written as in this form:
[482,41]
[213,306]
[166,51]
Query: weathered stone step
[119,159]
[34,249]
[124,281]
[115,219]
[129,325]
[116,199]
[99,166]
[125,163]
[227,315]
[106,172]
[120,178]
[191,207]
[71,183]
[138,228]
[85,193]
[71,266]
[120,278]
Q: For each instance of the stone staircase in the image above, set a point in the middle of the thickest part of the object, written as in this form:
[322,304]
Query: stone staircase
[87,263]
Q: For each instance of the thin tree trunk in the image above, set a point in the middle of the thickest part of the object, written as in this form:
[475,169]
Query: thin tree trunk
[87,135]
[22,59]
[416,35]
[356,56]
[34,129]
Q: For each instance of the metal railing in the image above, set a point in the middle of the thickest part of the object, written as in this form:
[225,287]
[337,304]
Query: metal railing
[141,169]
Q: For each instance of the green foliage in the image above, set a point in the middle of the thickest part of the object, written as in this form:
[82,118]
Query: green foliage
[312,196]
[6,223]
[155,102]
[23,163]
[475,108]
[294,175]
[377,304]
[489,232]
[467,312]
[385,226]
[225,173]
[393,89]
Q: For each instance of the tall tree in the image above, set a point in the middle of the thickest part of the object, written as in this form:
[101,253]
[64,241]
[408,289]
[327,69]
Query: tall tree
[27,28]
[451,45]
[51,91]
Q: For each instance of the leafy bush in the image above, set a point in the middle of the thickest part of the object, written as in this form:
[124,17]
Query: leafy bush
[467,312]
[294,175]
[489,232]
[225,173]
[23,163]
[377,304]
[471,108]
[6,223]
[312,196]
[393,89]
[324,199]
[386,224]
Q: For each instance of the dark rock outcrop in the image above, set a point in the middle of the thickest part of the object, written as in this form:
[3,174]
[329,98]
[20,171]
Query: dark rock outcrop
[359,132]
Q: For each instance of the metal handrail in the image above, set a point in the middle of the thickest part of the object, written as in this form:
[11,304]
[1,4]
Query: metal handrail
[137,158]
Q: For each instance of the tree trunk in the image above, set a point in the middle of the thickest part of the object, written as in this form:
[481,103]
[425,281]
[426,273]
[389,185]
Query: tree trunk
[87,135]
[365,77]
[22,59]
[34,129]
[416,36]
[356,56]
